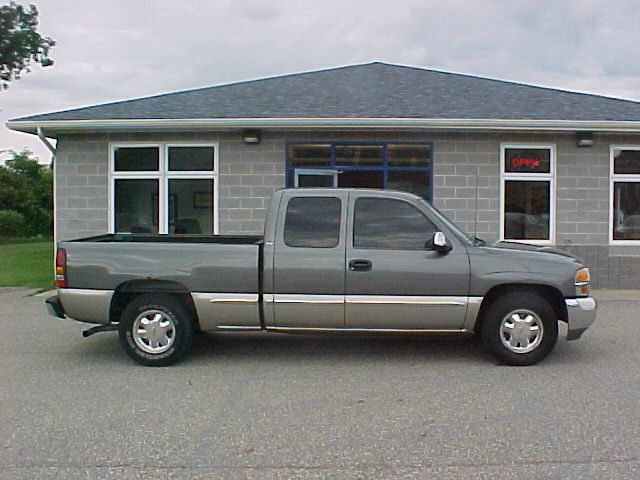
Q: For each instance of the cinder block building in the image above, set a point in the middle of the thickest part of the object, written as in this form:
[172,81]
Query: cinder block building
[507,161]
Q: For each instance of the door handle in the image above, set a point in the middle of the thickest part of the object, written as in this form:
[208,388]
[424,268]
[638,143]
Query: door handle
[360,265]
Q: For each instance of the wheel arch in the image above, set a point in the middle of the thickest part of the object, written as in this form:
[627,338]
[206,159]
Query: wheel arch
[551,294]
[129,290]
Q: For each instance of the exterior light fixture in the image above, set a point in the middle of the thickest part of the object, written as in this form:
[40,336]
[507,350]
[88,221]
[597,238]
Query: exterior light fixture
[584,139]
[251,136]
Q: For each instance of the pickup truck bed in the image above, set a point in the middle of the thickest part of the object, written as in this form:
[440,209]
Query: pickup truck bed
[202,264]
[190,239]
[104,266]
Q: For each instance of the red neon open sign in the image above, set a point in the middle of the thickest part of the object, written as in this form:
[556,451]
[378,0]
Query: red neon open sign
[526,163]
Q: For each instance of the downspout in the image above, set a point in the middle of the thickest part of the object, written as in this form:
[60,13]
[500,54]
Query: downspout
[47,144]
[50,147]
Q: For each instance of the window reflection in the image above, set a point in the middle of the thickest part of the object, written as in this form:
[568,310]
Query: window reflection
[626,162]
[398,166]
[390,224]
[312,222]
[136,159]
[136,206]
[527,210]
[411,182]
[191,158]
[309,155]
[626,211]
[191,206]
[359,155]
[413,156]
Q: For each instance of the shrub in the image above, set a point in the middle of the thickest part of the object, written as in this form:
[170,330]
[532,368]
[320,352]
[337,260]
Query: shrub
[11,223]
[26,188]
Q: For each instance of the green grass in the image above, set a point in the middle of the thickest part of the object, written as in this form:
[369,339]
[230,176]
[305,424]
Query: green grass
[27,265]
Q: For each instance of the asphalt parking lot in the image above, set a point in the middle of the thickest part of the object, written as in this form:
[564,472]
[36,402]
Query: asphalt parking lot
[280,406]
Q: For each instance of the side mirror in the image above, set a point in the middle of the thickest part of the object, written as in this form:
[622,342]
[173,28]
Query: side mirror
[439,243]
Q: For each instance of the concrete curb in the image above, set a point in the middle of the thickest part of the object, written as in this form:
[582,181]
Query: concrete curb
[48,293]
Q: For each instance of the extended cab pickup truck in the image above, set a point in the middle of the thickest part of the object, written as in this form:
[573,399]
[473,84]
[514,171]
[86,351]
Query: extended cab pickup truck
[331,260]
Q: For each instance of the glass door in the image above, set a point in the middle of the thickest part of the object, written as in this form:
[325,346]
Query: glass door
[405,166]
[312,178]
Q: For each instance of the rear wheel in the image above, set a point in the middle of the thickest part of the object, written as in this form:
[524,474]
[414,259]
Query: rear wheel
[156,330]
[520,328]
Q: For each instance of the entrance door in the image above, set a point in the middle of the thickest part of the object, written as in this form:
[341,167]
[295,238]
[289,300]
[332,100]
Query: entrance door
[392,280]
[310,178]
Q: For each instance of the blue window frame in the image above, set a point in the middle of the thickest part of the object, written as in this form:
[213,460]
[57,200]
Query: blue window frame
[380,168]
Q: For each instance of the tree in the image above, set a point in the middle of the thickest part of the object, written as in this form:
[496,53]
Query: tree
[26,197]
[20,43]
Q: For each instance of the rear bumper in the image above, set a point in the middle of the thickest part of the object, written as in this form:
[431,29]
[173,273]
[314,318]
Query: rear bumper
[581,313]
[90,306]
[54,308]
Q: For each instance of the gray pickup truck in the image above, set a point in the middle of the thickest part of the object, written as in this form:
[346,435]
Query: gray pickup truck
[330,260]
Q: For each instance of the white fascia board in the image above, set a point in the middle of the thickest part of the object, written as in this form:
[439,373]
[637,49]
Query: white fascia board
[323,123]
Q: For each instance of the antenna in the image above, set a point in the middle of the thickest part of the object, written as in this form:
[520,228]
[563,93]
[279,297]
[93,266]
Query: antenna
[475,225]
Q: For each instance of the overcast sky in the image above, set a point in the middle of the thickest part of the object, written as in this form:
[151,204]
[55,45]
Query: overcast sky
[119,49]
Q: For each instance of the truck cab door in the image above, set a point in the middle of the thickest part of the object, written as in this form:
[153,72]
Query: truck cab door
[393,281]
[309,260]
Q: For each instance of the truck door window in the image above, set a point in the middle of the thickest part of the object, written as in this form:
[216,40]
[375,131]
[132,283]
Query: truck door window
[312,222]
[390,224]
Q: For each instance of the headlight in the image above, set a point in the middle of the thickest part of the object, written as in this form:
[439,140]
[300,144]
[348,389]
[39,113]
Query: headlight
[583,279]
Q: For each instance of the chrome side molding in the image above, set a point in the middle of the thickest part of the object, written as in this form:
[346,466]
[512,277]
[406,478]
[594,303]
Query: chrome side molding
[406,300]
[238,327]
[371,330]
[230,297]
[453,301]
[305,298]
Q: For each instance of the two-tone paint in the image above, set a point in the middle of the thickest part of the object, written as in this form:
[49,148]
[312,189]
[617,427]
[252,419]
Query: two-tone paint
[261,283]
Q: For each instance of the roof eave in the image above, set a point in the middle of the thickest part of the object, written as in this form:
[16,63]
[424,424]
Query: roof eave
[61,126]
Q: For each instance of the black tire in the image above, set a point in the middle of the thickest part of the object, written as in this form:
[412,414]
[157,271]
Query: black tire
[502,307]
[180,335]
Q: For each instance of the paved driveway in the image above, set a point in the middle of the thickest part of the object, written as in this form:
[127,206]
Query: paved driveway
[278,406]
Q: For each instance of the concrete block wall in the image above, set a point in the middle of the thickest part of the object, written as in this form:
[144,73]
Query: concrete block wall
[81,168]
[247,177]
[582,191]
[461,160]
[249,174]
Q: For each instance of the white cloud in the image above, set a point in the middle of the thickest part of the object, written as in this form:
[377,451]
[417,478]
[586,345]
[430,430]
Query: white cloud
[125,49]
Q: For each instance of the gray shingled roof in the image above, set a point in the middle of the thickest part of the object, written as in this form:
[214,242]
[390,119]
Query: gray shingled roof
[372,90]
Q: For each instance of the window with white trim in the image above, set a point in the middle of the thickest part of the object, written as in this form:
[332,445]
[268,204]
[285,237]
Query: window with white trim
[164,188]
[527,192]
[625,194]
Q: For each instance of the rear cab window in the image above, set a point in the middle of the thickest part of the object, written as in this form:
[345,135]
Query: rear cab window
[313,222]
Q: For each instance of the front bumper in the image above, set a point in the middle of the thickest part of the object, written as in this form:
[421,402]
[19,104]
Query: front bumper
[581,313]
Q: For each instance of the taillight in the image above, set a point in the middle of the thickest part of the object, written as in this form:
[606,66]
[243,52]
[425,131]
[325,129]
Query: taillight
[61,268]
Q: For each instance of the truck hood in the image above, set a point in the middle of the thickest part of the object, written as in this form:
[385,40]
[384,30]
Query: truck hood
[528,247]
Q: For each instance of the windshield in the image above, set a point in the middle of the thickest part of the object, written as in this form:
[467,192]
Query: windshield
[460,234]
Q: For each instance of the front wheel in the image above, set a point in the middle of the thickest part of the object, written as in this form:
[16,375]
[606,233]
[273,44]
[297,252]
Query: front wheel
[520,328]
[156,330]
